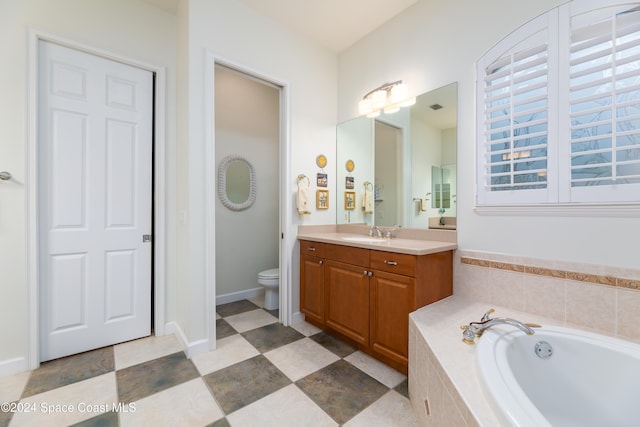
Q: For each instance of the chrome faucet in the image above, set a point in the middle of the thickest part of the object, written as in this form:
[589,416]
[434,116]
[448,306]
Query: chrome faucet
[475,329]
[374,231]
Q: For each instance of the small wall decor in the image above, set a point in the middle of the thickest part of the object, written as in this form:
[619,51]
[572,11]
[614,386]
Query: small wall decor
[322,199]
[321,161]
[322,180]
[349,183]
[349,200]
[350,165]
[236,183]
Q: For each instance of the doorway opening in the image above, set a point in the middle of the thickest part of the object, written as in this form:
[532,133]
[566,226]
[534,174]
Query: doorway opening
[247,239]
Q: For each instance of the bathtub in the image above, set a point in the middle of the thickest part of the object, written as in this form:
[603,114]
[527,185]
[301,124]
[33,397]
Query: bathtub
[572,378]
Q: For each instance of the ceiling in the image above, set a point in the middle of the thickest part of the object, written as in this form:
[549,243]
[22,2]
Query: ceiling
[333,24]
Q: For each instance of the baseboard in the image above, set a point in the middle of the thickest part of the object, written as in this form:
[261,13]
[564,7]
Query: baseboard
[297,317]
[240,295]
[13,366]
[190,348]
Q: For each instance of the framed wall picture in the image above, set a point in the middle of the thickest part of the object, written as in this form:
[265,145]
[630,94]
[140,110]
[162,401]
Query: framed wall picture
[349,200]
[322,180]
[349,183]
[322,199]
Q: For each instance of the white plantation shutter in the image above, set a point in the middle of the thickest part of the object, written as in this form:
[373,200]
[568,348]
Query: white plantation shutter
[604,83]
[514,96]
[559,109]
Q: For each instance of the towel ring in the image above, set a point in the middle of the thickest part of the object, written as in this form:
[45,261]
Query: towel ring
[301,177]
[368,185]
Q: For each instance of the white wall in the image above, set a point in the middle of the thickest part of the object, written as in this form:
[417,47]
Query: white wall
[434,43]
[136,30]
[130,29]
[235,34]
[247,125]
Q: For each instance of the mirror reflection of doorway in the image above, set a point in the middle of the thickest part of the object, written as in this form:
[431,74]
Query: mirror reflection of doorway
[388,175]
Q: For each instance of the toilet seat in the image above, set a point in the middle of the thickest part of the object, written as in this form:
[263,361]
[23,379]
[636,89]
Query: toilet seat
[273,273]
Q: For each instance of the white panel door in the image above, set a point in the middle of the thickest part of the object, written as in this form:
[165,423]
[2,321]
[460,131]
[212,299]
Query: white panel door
[95,197]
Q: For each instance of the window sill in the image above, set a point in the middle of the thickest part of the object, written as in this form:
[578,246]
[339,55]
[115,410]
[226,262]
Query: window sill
[567,210]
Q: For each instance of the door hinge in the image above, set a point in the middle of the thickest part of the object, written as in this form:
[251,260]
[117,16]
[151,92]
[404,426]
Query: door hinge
[146,238]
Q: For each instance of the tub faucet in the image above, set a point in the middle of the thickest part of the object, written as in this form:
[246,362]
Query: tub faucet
[475,329]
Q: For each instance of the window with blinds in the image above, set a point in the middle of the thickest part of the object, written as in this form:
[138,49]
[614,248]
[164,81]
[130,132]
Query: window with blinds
[604,81]
[559,109]
[516,121]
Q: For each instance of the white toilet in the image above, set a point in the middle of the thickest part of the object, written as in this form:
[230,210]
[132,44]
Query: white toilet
[270,279]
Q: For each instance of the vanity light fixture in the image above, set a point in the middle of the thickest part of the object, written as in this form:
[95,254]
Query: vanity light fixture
[389,97]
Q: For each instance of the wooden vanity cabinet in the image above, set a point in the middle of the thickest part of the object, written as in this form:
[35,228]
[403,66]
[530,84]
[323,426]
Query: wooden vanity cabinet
[390,302]
[312,281]
[365,296]
[347,292]
[401,284]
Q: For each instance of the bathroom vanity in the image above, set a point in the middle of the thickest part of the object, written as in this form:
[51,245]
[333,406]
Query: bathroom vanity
[362,290]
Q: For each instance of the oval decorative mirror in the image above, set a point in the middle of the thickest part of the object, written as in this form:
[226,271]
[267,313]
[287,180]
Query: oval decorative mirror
[236,183]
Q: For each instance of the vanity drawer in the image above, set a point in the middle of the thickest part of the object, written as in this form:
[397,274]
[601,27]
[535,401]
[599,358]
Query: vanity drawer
[348,254]
[308,247]
[393,262]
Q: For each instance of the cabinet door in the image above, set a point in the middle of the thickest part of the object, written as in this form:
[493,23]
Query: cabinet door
[347,297]
[312,288]
[391,296]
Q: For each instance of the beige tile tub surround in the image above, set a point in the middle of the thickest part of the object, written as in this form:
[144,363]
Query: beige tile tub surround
[570,293]
[444,385]
[444,382]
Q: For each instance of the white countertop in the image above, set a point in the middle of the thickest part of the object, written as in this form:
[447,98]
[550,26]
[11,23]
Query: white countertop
[394,244]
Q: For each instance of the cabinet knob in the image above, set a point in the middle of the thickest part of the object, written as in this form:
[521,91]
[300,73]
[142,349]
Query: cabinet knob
[365,272]
[320,262]
[391,262]
[312,249]
[370,274]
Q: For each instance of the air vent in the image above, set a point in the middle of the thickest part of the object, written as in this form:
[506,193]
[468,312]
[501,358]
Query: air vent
[435,106]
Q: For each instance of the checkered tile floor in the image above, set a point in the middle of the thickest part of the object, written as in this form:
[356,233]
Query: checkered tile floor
[262,374]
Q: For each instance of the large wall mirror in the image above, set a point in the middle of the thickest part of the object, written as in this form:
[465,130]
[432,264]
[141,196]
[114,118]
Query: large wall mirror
[407,160]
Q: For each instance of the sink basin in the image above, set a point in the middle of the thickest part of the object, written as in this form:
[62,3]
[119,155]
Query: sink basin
[363,239]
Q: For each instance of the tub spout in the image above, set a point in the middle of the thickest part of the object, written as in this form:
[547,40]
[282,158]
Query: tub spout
[475,329]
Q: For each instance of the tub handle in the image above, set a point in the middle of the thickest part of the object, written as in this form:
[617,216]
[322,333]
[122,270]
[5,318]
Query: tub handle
[487,314]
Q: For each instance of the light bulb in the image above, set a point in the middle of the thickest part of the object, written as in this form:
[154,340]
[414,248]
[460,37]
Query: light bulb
[364,106]
[408,102]
[399,93]
[378,99]
[391,108]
